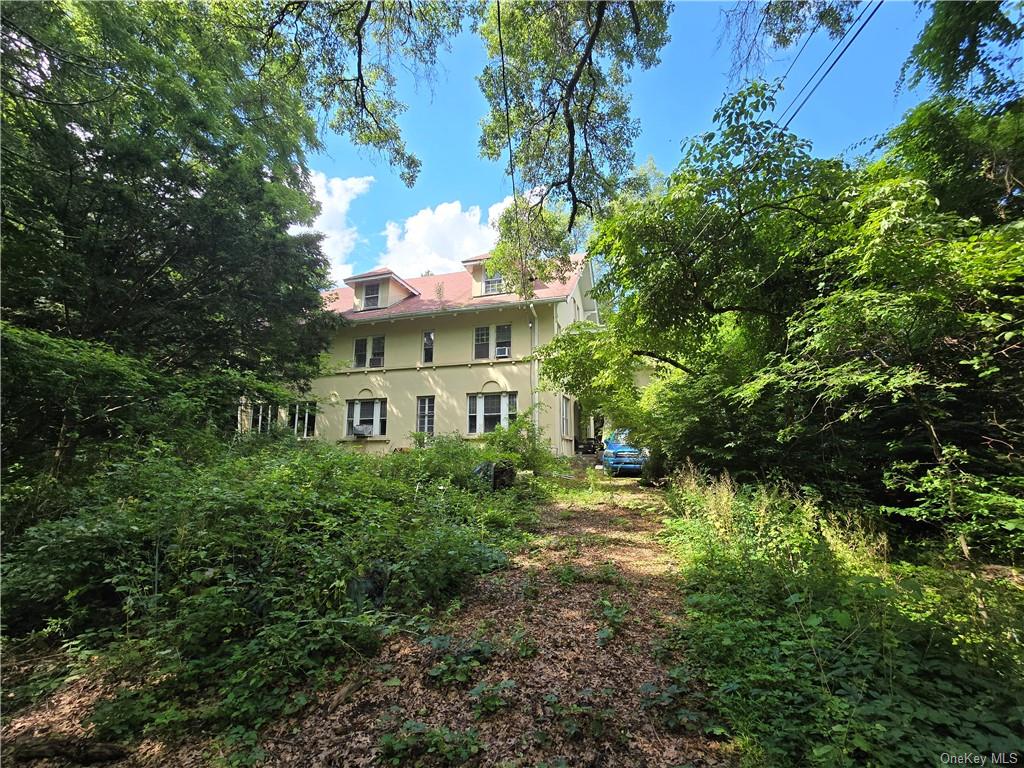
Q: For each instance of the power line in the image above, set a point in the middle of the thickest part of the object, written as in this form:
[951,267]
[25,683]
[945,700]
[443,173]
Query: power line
[824,61]
[836,61]
[856,34]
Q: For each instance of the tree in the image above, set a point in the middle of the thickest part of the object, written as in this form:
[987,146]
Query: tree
[150,182]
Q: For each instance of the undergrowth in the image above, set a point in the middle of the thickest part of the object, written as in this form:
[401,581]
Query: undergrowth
[215,593]
[818,652]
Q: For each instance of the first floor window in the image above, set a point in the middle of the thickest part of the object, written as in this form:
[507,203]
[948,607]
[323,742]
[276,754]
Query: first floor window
[425,414]
[566,417]
[367,418]
[302,418]
[263,417]
[487,411]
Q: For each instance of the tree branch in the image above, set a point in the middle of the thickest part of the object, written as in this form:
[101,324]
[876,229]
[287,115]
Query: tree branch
[663,359]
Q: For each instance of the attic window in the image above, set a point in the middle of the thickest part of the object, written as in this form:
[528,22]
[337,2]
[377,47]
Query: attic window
[371,296]
[493,283]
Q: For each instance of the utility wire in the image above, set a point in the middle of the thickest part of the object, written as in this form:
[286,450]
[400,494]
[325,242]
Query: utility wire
[856,34]
[824,61]
[836,61]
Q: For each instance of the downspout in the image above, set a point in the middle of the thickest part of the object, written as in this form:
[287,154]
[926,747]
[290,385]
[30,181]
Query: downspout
[534,383]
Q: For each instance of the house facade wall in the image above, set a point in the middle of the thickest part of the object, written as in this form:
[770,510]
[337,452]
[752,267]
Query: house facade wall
[450,378]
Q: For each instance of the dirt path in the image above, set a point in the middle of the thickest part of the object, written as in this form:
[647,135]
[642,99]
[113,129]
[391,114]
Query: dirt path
[576,625]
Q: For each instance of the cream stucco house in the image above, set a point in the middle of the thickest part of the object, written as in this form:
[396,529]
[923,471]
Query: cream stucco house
[439,354]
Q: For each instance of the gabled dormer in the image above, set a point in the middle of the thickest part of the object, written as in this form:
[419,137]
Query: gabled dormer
[378,289]
[484,283]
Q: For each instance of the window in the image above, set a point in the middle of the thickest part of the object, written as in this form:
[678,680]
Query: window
[367,418]
[482,343]
[302,419]
[377,352]
[371,296]
[376,359]
[503,341]
[428,346]
[425,414]
[493,283]
[487,411]
[566,417]
[263,417]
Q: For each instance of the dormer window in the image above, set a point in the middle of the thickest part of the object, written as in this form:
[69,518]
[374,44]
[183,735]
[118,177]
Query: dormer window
[493,283]
[371,296]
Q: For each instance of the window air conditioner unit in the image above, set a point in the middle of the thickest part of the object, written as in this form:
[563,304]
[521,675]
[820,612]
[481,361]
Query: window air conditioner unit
[363,430]
[501,351]
[376,362]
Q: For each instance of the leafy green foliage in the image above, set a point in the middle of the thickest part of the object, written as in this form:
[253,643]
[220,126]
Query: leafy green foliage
[457,661]
[613,616]
[219,587]
[819,653]
[522,441]
[836,326]
[586,716]
[417,744]
[489,698]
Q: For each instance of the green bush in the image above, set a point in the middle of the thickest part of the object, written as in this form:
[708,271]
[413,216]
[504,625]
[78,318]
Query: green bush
[820,653]
[522,441]
[218,588]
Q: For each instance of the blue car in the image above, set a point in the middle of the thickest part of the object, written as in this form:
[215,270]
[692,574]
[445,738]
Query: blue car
[620,456]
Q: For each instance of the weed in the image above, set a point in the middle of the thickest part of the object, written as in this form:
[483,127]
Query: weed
[608,573]
[522,644]
[488,698]
[584,717]
[567,574]
[531,585]
[671,702]
[417,744]
[457,660]
[614,617]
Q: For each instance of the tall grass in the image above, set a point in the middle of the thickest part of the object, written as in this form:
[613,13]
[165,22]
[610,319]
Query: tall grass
[819,651]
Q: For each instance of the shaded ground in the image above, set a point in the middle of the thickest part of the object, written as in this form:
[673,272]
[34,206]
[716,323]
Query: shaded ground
[544,616]
[577,624]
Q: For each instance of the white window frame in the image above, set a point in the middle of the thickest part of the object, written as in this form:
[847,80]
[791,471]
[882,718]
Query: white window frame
[375,297]
[493,284]
[368,351]
[380,415]
[507,345]
[424,347]
[304,427]
[490,337]
[475,420]
[566,417]
[425,414]
[262,417]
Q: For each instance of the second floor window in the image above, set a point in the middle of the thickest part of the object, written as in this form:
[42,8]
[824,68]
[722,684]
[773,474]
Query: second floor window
[482,343]
[428,347]
[503,341]
[371,296]
[367,418]
[425,414]
[375,346]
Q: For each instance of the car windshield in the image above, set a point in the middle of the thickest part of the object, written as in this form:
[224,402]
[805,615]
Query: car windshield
[620,436]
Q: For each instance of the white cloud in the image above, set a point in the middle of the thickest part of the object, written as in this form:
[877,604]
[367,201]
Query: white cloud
[340,237]
[439,238]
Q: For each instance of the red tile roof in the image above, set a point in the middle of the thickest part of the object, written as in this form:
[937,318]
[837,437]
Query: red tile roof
[447,293]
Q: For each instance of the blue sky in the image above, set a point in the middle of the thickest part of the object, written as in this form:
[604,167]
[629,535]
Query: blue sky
[371,218]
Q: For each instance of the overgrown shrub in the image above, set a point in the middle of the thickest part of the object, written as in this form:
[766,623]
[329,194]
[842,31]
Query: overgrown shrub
[523,442]
[217,588]
[820,653]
